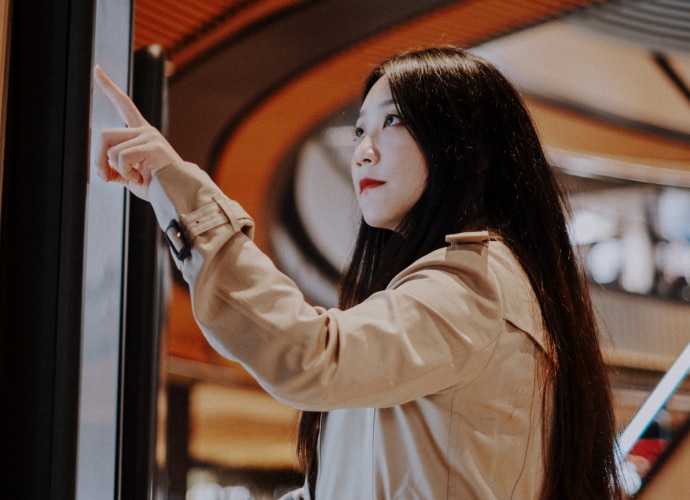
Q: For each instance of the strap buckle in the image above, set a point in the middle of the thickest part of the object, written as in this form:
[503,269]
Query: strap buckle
[177,240]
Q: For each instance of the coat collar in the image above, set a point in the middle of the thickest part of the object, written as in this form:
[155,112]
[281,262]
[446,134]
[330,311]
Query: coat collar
[468,237]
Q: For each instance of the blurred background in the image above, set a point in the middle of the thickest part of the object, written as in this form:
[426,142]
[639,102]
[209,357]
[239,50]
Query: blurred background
[263,94]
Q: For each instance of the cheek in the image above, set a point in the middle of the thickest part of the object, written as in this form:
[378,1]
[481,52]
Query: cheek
[416,168]
[417,174]
[422,179]
[414,194]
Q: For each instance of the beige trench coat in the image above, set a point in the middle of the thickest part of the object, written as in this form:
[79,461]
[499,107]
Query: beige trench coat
[431,386]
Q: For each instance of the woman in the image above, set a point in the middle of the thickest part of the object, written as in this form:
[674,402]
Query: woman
[464,360]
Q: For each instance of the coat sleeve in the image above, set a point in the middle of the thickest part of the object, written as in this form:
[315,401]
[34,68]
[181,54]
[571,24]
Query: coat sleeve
[429,332]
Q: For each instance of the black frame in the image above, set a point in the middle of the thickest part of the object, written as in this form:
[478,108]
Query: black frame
[143,377]
[41,243]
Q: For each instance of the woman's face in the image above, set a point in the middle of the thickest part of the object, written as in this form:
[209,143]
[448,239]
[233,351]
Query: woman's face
[389,170]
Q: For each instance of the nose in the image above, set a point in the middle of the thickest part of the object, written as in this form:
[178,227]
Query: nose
[365,152]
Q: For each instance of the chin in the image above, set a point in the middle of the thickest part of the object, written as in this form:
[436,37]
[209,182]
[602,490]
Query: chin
[378,224]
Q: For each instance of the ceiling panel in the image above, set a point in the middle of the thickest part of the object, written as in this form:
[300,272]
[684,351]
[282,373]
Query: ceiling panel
[655,24]
[187,29]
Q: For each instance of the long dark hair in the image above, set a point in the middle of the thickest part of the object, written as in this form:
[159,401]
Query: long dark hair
[487,170]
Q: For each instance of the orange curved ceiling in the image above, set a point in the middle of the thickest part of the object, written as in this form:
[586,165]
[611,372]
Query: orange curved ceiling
[187,29]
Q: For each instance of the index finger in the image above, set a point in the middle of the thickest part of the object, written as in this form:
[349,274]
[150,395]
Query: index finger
[127,109]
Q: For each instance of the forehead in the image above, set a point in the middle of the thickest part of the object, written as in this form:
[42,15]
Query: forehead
[379,96]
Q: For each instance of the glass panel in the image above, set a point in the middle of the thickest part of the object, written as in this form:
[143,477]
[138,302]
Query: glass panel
[102,308]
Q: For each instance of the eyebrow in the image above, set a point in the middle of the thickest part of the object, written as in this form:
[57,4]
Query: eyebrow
[384,104]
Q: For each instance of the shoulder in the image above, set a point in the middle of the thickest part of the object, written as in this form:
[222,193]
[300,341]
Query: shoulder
[487,267]
[470,256]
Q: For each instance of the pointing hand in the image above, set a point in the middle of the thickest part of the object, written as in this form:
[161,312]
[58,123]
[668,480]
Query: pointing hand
[130,155]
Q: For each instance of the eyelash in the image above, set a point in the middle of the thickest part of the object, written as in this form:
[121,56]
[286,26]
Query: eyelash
[394,117]
[358,132]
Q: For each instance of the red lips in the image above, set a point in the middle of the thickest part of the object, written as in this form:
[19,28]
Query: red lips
[367,183]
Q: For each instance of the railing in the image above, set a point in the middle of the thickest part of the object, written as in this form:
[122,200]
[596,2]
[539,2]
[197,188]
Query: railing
[643,418]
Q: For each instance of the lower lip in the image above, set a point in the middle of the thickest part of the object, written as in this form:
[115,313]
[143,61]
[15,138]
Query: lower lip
[371,185]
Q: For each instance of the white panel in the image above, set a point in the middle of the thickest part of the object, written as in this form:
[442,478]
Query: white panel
[103,280]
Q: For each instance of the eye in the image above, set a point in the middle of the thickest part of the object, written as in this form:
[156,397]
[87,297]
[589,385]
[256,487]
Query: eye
[392,120]
[358,133]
